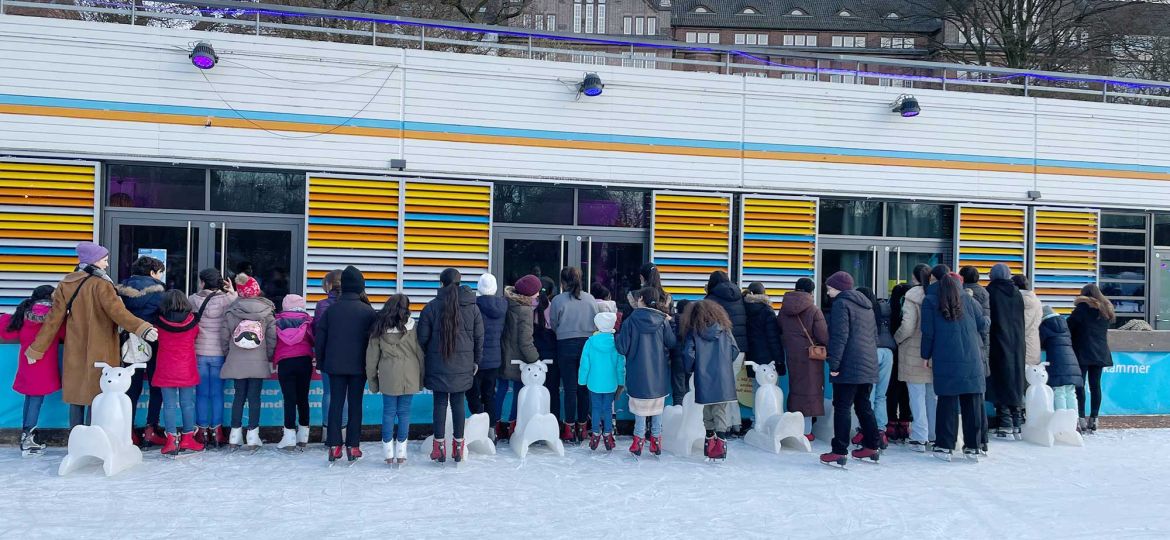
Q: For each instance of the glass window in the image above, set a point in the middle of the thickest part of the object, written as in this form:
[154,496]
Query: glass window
[613,208]
[920,220]
[1123,272]
[256,191]
[1135,222]
[852,217]
[533,204]
[812,41]
[147,186]
[1135,238]
[1123,255]
[1162,229]
[651,26]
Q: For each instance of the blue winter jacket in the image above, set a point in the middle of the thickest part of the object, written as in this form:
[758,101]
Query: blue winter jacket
[602,368]
[492,309]
[142,296]
[709,356]
[955,348]
[1056,340]
[643,340]
[853,340]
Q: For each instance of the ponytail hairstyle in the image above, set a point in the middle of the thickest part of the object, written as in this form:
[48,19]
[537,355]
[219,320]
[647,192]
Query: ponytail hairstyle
[571,281]
[394,314]
[939,272]
[543,299]
[39,294]
[1104,305]
[650,276]
[950,291]
[921,274]
[449,279]
[651,298]
[212,279]
[331,281]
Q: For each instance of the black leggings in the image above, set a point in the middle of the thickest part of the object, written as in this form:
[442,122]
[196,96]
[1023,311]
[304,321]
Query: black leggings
[576,408]
[1092,375]
[345,389]
[458,401]
[135,391]
[482,396]
[294,375]
[246,390]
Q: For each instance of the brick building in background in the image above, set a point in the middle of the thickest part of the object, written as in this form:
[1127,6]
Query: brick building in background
[640,19]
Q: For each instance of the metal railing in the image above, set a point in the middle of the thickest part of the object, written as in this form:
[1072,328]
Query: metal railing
[597,49]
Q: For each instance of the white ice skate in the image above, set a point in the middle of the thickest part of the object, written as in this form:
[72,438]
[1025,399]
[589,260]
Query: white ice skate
[288,441]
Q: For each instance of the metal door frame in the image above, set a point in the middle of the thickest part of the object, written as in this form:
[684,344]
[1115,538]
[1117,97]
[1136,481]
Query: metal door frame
[882,248]
[577,238]
[1154,287]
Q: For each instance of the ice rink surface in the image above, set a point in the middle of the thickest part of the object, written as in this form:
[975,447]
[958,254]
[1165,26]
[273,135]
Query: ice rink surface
[1117,486]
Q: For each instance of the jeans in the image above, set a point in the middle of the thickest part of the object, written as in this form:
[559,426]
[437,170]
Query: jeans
[458,401]
[877,398]
[576,396]
[847,398]
[602,406]
[32,411]
[325,393]
[481,396]
[655,425]
[246,390]
[348,389]
[923,404]
[948,420]
[154,397]
[78,415]
[396,407]
[715,417]
[294,375]
[209,393]
[1063,397]
[1092,377]
[175,400]
[502,387]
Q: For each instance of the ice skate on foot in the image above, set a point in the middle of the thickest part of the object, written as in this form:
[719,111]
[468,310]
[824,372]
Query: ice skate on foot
[867,455]
[834,460]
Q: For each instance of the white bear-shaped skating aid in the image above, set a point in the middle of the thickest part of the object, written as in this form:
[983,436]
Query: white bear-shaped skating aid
[682,426]
[1045,426]
[773,427]
[107,438]
[475,435]
[534,422]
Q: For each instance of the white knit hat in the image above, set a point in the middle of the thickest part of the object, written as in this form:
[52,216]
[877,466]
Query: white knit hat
[486,285]
[605,321]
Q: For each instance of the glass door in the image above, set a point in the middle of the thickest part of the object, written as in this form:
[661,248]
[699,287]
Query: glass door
[612,260]
[176,242]
[901,260]
[262,249]
[860,260]
[1161,290]
[524,251]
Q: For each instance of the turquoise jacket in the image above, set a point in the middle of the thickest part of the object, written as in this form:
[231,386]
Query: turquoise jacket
[602,368]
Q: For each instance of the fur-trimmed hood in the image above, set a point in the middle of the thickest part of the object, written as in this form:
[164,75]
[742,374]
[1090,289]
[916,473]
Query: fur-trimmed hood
[757,299]
[139,286]
[513,297]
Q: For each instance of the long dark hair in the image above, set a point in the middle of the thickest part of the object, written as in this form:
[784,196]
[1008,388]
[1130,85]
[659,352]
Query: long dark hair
[450,278]
[1103,304]
[897,296]
[650,276]
[394,314]
[543,299]
[174,301]
[698,316]
[921,274]
[950,291]
[571,281]
[44,292]
[212,279]
[873,303]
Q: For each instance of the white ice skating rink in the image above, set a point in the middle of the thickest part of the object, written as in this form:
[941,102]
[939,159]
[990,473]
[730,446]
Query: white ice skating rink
[1118,486]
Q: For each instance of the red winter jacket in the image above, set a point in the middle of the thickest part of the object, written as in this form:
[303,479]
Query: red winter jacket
[175,366]
[42,378]
[294,335]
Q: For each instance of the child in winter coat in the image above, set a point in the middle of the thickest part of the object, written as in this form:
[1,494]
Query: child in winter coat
[340,340]
[605,303]
[492,309]
[394,367]
[517,344]
[708,352]
[211,303]
[644,340]
[249,332]
[293,357]
[176,373]
[603,371]
[34,379]
[1064,374]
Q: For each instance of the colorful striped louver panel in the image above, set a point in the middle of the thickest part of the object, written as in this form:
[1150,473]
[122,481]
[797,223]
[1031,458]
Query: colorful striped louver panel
[448,224]
[1065,255]
[779,239]
[46,208]
[353,220]
[992,234]
[692,237]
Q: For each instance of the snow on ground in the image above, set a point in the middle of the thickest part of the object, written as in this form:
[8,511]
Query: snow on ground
[1118,486]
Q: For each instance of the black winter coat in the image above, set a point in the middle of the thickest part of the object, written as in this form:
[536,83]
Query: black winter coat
[1005,385]
[853,340]
[954,347]
[885,336]
[340,336]
[710,356]
[644,340]
[731,300]
[763,333]
[1090,334]
[492,309]
[452,374]
[1057,342]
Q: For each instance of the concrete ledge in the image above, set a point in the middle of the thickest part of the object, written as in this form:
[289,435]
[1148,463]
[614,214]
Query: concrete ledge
[1137,341]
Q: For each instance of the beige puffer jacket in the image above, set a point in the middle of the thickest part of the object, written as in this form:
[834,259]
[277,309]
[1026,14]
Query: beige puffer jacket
[210,340]
[1033,316]
[909,338]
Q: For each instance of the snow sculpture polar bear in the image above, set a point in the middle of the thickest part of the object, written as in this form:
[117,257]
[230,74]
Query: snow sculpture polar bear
[1045,426]
[107,438]
[534,422]
[682,426]
[475,436]
[772,426]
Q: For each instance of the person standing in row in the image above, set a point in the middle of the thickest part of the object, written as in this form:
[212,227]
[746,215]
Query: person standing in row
[571,315]
[249,331]
[971,284]
[517,344]
[1064,373]
[340,339]
[852,369]
[952,324]
[450,332]
[709,351]
[723,292]
[763,332]
[177,373]
[1089,325]
[898,395]
[394,367]
[212,301]
[492,310]
[142,294]
[649,276]
[294,365]
[1033,313]
[545,340]
[603,372]
[331,286]
[643,340]
[803,330]
[34,380]
[885,362]
[1005,386]
[912,368]
[679,378]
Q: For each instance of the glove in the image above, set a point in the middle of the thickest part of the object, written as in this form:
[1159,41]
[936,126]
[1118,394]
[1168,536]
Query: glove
[151,334]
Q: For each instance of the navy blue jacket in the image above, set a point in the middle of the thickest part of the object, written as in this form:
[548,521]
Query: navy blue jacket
[709,356]
[643,340]
[955,348]
[142,296]
[853,340]
[1063,369]
[492,309]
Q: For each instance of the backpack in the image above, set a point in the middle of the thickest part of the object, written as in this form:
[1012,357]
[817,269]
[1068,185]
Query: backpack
[248,334]
[292,332]
[135,350]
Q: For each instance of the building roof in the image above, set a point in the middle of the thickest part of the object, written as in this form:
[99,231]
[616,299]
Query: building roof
[842,15]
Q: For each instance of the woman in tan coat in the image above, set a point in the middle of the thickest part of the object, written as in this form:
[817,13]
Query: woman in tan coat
[912,369]
[91,328]
[1033,315]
